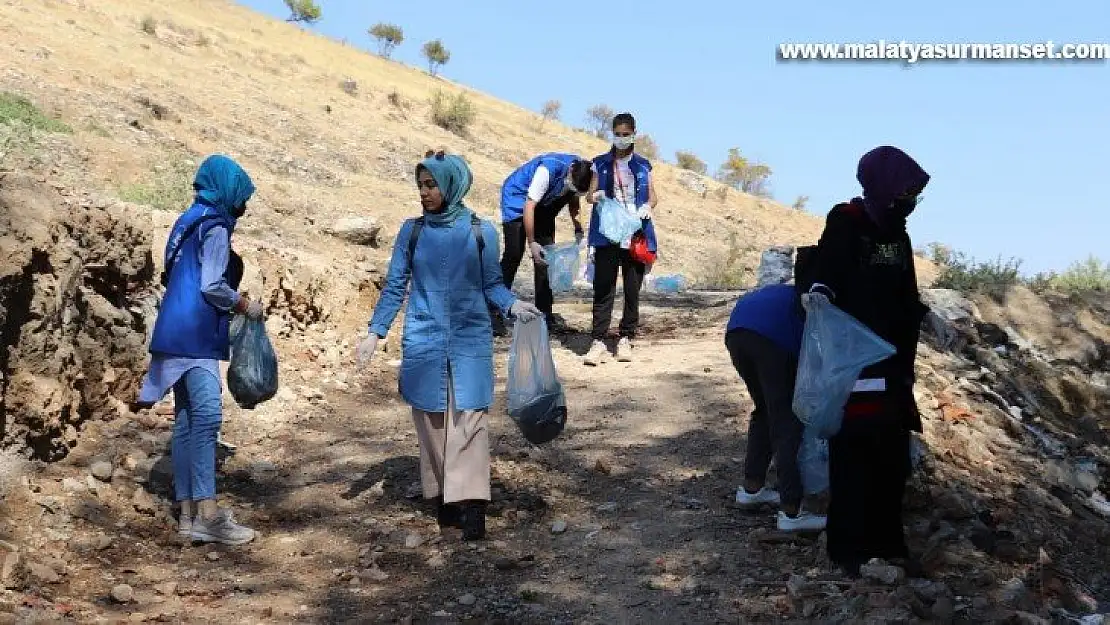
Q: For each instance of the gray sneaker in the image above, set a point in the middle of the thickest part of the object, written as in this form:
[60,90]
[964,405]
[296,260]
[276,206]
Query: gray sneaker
[184,525]
[221,528]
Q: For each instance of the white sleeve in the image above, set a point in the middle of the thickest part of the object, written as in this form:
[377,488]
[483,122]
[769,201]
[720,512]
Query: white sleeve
[540,181]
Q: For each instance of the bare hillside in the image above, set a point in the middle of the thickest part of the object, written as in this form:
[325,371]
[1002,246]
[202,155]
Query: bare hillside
[628,517]
[207,76]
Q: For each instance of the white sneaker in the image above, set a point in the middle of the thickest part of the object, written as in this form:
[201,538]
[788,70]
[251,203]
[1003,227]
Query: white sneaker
[804,522]
[762,496]
[596,354]
[624,350]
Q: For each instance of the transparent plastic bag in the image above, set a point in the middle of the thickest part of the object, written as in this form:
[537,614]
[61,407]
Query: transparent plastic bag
[536,401]
[835,348]
[615,222]
[562,265]
[252,374]
[673,283]
[813,463]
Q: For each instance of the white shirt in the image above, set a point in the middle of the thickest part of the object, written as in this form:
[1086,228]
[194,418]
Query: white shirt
[541,181]
[624,183]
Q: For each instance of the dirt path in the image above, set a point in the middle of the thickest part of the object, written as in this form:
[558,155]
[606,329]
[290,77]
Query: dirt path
[628,517]
[625,518]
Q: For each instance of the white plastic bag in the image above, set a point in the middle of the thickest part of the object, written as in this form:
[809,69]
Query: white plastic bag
[536,401]
[835,348]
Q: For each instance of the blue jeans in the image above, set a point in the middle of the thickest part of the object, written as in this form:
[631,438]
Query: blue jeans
[196,398]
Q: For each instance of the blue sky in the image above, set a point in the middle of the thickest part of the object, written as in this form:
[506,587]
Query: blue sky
[1017,149]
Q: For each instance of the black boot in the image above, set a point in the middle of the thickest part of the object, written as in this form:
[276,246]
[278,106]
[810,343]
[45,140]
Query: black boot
[474,520]
[448,514]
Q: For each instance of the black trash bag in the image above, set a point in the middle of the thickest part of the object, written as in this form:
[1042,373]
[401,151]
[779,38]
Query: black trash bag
[536,400]
[252,376]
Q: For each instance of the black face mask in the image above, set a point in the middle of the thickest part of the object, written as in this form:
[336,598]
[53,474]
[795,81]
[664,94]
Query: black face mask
[903,206]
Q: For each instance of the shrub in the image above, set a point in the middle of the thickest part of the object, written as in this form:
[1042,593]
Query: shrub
[551,110]
[453,113]
[963,273]
[800,203]
[599,119]
[396,99]
[170,188]
[437,55]
[306,11]
[689,161]
[389,36]
[149,25]
[349,86]
[728,273]
[17,109]
[647,147]
[1088,276]
[747,176]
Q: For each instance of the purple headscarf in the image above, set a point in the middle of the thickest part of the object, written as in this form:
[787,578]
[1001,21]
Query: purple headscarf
[885,173]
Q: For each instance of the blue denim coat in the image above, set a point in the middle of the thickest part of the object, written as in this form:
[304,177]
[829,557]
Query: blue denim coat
[447,321]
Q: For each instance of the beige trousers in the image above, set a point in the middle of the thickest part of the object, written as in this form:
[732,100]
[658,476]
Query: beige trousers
[454,452]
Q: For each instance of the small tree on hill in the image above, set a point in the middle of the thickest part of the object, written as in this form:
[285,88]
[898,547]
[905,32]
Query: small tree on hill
[437,55]
[389,36]
[599,119]
[690,161]
[647,147]
[737,171]
[800,203]
[306,11]
[551,110]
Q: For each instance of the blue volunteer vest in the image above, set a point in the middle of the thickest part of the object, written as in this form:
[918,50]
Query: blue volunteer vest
[514,191]
[641,168]
[187,325]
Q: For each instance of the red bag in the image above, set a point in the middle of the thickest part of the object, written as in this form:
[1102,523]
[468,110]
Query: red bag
[639,251]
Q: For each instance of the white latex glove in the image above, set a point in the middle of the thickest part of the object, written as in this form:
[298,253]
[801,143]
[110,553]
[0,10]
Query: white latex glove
[365,350]
[524,311]
[814,297]
[644,212]
[254,310]
[537,253]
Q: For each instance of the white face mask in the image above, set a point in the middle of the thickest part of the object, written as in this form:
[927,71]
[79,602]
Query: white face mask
[623,143]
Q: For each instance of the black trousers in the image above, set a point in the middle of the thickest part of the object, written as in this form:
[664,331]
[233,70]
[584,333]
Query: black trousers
[608,261]
[516,246]
[869,466]
[769,373]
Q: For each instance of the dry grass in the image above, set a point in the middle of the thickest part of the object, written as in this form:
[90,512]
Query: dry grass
[272,103]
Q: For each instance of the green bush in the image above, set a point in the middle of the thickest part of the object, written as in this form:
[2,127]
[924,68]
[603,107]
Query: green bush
[453,113]
[169,188]
[690,162]
[963,273]
[1088,276]
[17,109]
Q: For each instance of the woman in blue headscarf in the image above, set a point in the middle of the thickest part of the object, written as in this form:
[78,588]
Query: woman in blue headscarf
[448,259]
[191,337]
[864,264]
